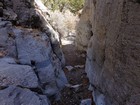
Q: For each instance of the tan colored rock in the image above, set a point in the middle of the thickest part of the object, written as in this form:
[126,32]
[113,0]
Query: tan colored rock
[83,28]
[113,60]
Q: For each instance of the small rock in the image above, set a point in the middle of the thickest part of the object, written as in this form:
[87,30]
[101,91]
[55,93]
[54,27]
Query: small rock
[90,87]
[79,66]
[76,87]
[86,102]
[69,68]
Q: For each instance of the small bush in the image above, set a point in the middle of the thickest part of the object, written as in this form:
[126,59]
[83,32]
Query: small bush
[76,5]
[72,5]
[64,23]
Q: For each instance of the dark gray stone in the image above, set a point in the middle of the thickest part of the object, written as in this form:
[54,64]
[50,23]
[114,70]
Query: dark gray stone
[38,50]
[1,11]
[19,96]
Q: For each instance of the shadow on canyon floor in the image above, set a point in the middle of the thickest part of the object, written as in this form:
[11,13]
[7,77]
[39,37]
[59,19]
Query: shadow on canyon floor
[76,76]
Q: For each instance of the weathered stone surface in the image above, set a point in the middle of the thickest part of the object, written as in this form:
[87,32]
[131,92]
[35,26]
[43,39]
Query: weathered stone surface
[32,49]
[113,61]
[18,75]
[53,35]
[34,14]
[83,28]
[86,102]
[37,48]
[134,100]
[9,14]
[3,36]
[18,96]
[37,51]
[7,43]
[8,60]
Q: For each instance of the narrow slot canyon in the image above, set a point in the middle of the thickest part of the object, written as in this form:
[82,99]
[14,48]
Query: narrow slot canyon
[68,52]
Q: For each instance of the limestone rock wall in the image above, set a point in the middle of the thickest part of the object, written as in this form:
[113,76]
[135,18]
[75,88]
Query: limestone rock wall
[113,60]
[83,28]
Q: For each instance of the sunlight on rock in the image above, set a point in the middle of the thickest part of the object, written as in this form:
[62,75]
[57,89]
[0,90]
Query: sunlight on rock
[40,5]
[65,52]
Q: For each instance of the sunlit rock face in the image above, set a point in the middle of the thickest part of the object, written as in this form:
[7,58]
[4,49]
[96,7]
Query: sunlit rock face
[113,60]
[83,28]
[31,60]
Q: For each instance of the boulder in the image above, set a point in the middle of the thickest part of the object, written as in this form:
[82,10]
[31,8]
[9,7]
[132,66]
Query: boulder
[20,96]
[31,48]
[18,75]
[37,51]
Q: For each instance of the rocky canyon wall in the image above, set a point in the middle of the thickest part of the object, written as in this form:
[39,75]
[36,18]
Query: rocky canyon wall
[113,60]
[83,28]
[31,59]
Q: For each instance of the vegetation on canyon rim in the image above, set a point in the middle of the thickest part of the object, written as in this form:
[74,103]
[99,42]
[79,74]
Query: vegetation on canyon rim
[72,5]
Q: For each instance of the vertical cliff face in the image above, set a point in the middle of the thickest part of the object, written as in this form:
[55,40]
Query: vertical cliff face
[113,60]
[83,29]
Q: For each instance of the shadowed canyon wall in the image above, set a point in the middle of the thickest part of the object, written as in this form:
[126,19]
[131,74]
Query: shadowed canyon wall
[113,60]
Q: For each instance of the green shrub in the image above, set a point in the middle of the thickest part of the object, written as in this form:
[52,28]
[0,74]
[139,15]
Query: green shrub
[72,5]
[76,5]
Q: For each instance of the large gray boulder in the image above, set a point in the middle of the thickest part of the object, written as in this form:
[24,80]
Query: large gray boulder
[30,48]
[34,48]
[18,75]
[20,96]
[40,50]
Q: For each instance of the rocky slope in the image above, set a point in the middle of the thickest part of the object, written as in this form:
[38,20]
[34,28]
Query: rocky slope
[31,59]
[113,60]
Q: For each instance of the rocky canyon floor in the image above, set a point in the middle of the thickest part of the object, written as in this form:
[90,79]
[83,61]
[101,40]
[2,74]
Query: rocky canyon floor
[77,89]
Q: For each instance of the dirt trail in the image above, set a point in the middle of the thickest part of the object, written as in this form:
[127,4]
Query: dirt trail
[76,76]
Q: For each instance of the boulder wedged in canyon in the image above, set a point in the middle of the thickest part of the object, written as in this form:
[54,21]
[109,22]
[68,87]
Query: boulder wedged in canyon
[113,60]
